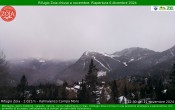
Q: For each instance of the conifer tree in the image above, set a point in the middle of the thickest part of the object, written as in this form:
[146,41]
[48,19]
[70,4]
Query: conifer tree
[114,91]
[158,89]
[83,95]
[64,92]
[91,77]
[91,80]
[125,91]
[103,97]
[172,76]
[172,83]
[22,87]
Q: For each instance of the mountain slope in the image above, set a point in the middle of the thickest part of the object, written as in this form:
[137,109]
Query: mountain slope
[105,62]
[102,61]
[147,64]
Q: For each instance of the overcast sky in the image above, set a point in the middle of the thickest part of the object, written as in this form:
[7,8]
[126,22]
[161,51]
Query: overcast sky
[66,32]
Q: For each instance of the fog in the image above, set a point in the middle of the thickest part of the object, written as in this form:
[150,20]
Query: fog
[66,32]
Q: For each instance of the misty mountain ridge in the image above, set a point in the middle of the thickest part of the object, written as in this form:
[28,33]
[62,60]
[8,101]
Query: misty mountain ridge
[128,61]
[134,52]
[119,64]
[38,70]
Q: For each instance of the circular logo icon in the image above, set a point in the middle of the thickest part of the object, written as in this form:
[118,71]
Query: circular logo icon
[155,8]
[8,13]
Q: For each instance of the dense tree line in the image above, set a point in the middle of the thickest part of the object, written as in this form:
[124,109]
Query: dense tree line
[92,89]
[3,70]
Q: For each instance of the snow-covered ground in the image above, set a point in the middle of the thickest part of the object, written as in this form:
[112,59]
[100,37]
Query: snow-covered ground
[101,63]
[101,73]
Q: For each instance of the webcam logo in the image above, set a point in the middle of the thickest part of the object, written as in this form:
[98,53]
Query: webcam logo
[8,13]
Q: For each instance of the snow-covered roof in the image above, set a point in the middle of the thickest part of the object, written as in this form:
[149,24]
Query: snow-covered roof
[77,86]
